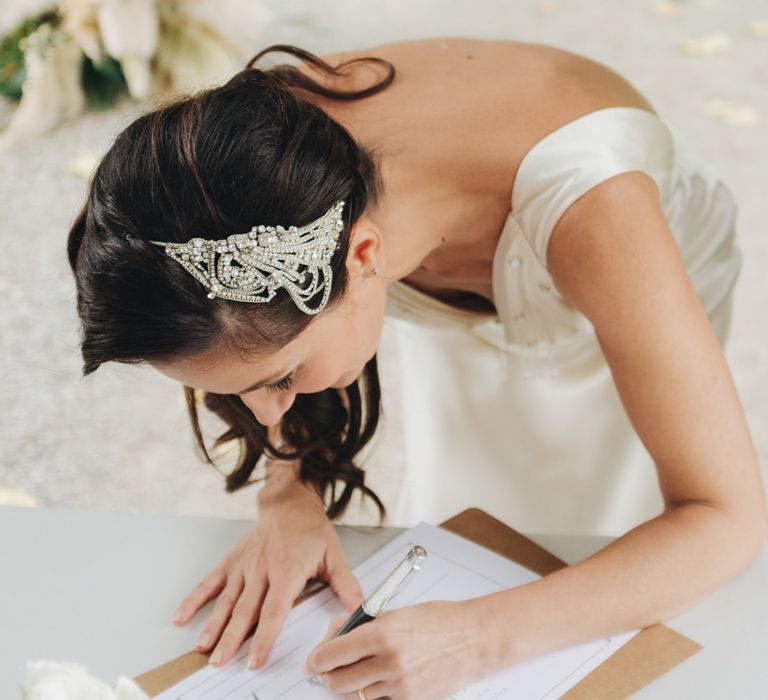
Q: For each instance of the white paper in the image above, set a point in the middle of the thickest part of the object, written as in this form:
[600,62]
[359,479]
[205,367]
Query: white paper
[455,569]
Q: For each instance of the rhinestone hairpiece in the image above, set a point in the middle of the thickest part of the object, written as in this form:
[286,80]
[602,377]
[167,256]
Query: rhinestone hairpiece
[252,266]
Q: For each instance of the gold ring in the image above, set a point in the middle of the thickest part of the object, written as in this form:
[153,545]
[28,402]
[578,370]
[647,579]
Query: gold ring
[361,693]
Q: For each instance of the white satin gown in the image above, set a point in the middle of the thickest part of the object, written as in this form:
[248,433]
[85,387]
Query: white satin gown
[517,413]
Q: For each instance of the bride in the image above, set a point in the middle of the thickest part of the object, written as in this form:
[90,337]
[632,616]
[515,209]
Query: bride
[557,265]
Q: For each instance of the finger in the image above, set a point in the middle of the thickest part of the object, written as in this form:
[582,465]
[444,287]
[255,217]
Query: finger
[221,612]
[333,626]
[382,689]
[363,674]
[244,614]
[341,651]
[343,582]
[206,590]
[277,605]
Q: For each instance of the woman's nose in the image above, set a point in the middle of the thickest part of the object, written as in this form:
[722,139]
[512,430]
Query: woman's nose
[268,410]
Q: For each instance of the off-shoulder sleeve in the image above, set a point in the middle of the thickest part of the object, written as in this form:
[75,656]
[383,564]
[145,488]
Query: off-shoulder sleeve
[538,323]
[570,161]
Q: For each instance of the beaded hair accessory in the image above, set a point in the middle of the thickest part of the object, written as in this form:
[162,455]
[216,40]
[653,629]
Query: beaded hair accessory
[251,267]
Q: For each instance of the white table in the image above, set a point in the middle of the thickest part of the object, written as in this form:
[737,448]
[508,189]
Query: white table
[100,588]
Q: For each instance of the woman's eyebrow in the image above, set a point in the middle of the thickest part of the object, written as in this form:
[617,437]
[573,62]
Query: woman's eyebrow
[268,380]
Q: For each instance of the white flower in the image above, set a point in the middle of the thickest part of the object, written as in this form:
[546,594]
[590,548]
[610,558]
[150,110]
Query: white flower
[14,496]
[51,92]
[128,27]
[162,45]
[78,18]
[52,680]
[130,31]
[126,30]
[191,55]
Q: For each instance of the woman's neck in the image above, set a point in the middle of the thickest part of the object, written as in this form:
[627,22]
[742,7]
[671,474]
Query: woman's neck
[440,235]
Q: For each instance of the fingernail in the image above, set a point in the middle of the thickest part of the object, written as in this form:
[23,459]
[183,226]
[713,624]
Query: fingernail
[204,641]
[253,661]
[178,616]
[215,657]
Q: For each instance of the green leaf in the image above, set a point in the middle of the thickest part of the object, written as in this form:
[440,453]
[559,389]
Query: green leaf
[102,82]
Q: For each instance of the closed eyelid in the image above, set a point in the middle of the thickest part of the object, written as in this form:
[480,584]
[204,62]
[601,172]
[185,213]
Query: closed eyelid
[281,385]
[264,386]
[288,377]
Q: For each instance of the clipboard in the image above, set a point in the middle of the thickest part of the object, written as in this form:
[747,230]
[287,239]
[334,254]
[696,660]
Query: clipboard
[648,655]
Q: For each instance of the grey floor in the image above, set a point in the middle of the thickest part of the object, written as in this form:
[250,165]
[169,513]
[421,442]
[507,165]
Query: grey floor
[120,440]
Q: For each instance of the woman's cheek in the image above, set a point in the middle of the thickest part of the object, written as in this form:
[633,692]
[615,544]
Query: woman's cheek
[320,381]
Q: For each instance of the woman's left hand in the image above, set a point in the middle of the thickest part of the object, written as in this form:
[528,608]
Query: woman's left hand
[423,651]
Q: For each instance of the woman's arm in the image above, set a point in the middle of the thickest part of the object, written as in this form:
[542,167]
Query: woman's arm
[612,256]
[260,578]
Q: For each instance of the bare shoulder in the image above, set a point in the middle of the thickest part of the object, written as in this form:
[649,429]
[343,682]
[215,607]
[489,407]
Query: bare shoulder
[496,96]
[525,71]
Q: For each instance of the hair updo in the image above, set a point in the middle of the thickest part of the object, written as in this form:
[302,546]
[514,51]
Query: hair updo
[212,164]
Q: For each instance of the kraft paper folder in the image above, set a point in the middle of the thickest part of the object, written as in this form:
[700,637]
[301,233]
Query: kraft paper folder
[649,654]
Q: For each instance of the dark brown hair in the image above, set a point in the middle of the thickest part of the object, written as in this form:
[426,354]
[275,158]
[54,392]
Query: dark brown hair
[219,161]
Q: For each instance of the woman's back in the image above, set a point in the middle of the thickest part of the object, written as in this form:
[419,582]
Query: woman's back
[451,131]
[479,102]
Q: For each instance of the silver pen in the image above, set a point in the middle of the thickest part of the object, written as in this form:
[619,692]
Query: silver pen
[375,602]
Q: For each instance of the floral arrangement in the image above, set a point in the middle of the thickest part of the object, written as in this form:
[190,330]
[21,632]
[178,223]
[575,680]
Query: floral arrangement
[85,54]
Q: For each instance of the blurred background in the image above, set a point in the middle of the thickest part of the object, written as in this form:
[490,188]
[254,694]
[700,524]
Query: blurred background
[121,438]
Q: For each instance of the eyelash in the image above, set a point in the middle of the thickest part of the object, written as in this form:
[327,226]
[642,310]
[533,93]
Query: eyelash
[283,385]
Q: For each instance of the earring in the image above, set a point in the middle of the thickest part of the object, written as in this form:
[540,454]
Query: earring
[376,272]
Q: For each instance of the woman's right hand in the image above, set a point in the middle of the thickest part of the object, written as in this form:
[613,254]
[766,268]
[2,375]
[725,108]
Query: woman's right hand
[260,578]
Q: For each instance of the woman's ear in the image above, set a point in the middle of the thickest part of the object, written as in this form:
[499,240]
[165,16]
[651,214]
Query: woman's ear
[366,249]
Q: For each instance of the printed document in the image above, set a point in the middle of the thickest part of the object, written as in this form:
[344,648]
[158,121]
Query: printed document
[455,569]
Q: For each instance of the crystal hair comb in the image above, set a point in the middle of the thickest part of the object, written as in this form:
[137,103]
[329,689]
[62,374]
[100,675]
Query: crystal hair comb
[251,267]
